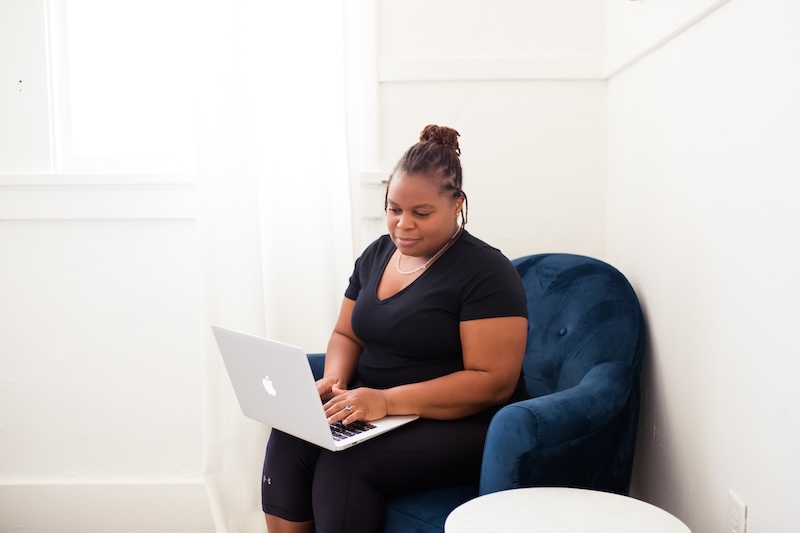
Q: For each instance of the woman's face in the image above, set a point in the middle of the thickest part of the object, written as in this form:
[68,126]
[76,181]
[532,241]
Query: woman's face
[419,217]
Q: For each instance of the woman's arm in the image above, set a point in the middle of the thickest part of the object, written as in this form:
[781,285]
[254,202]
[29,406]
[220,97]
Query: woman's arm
[342,354]
[493,350]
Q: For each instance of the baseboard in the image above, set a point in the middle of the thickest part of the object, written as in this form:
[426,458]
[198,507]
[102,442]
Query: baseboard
[85,506]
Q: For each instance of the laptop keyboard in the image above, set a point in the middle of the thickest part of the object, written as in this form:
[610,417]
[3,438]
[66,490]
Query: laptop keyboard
[340,431]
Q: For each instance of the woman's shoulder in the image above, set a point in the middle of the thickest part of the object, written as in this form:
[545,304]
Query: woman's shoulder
[381,244]
[473,241]
[476,248]
[377,249]
[491,284]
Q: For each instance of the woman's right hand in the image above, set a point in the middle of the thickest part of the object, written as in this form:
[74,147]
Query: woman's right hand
[326,384]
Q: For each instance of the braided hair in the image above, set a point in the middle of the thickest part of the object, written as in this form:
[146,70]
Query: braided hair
[437,157]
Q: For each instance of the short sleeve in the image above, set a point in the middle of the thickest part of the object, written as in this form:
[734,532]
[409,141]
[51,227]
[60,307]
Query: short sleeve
[369,266]
[354,286]
[494,288]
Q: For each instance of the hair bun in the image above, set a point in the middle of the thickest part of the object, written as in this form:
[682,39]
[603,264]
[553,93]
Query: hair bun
[441,135]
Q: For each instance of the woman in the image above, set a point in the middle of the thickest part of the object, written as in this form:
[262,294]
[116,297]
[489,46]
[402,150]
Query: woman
[433,323]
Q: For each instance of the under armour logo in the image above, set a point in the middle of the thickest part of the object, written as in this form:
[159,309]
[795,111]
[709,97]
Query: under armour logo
[267,480]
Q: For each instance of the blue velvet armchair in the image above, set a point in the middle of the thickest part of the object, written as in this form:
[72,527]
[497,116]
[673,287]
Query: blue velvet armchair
[582,370]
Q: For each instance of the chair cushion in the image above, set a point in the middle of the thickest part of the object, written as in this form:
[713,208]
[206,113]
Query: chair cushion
[425,511]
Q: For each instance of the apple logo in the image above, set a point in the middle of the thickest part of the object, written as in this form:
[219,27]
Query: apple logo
[268,386]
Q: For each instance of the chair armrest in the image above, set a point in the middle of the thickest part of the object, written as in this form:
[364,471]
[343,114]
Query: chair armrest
[317,362]
[533,441]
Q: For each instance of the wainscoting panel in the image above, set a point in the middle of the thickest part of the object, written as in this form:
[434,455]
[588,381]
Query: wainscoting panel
[101,373]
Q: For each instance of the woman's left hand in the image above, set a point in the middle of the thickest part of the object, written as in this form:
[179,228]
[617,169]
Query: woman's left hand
[349,406]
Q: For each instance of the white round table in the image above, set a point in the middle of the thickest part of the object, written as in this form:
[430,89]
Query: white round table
[560,510]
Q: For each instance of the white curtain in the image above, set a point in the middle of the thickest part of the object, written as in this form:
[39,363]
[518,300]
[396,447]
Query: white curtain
[274,210]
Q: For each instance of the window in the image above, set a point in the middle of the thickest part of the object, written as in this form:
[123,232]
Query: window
[122,85]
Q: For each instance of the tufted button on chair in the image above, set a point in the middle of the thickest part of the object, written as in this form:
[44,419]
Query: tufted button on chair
[582,369]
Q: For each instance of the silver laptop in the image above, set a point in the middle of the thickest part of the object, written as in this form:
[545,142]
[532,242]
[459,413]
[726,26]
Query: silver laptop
[274,385]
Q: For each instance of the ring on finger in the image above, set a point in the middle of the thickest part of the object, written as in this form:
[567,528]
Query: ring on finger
[348,407]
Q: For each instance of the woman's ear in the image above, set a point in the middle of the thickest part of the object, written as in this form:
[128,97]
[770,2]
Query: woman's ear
[459,204]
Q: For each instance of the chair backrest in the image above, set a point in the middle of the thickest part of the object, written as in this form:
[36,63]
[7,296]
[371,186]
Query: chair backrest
[582,312]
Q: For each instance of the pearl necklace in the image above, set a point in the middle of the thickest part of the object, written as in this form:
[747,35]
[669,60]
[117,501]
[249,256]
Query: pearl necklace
[434,256]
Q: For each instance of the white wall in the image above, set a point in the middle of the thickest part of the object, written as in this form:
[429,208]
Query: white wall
[100,400]
[24,100]
[521,82]
[703,170]
[100,375]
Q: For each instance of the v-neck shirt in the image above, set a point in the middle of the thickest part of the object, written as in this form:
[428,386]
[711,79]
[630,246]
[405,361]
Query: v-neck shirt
[414,335]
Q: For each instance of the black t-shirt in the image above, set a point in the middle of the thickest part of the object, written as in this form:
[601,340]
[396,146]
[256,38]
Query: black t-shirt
[414,335]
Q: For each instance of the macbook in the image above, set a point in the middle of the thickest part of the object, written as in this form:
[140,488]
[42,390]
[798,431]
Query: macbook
[274,385]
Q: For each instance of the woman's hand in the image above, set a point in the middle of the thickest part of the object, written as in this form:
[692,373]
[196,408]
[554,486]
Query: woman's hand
[326,386]
[349,406]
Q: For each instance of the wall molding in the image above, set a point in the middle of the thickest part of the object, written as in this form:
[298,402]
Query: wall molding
[541,68]
[536,68]
[658,40]
[94,178]
[97,197]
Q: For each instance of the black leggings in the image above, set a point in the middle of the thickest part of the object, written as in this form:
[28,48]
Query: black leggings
[344,492]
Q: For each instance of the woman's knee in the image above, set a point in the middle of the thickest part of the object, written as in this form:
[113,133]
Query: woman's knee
[347,493]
